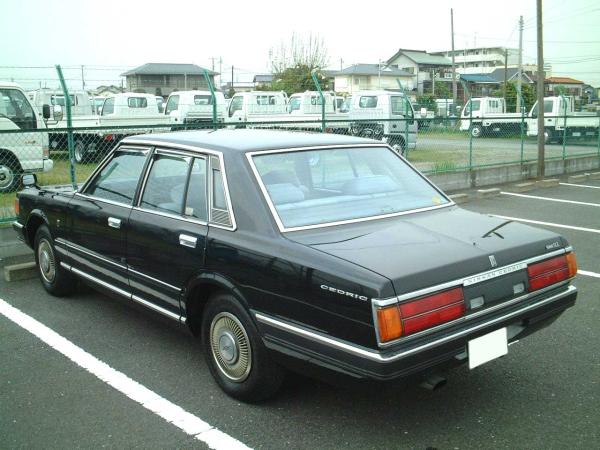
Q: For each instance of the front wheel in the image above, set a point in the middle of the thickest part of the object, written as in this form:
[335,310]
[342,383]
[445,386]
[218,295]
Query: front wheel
[476,131]
[397,143]
[9,174]
[80,152]
[55,279]
[236,356]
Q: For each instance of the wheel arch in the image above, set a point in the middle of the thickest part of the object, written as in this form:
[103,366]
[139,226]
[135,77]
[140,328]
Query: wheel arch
[200,289]
[36,219]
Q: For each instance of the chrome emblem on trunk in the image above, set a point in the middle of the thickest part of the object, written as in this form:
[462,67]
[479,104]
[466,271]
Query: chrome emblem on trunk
[493,261]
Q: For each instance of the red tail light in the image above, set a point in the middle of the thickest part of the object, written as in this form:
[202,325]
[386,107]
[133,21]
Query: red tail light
[109,137]
[551,271]
[417,315]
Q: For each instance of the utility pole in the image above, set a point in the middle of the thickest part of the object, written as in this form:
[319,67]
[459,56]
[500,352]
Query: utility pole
[453,65]
[540,91]
[433,82]
[82,79]
[232,77]
[379,72]
[520,71]
[341,64]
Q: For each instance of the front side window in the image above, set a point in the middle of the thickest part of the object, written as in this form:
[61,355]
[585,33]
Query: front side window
[118,180]
[172,104]
[109,106]
[367,101]
[294,104]
[137,102]
[400,106]
[15,107]
[312,188]
[474,104]
[166,184]
[236,105]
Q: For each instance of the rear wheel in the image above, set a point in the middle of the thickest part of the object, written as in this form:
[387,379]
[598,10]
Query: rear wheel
[397,143]
[80,152]
[236,356]
[9,173]
[56,280]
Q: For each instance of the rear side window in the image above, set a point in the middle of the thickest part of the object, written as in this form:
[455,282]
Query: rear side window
[137,102]
[166,184]
[196,204]
[118,180]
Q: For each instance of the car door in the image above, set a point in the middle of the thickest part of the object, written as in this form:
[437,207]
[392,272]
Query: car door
[167,230]
[98,219]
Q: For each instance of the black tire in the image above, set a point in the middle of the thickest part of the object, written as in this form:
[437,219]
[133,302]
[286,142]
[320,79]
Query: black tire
[235,353]
[80,152]
[56,280]
[397,143]
[10,171]
[548,136]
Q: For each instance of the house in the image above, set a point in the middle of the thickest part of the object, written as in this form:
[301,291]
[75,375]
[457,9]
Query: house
[563,85]
[162,79]
[481,59]
[424,66]
[360,77]
[238,86]
[479,85]
[103,91]
[512,74]
[263,81]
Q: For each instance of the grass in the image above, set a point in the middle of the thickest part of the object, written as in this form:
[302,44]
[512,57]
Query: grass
[60,174]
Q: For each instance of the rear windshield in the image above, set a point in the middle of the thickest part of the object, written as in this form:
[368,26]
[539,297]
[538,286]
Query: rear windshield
[318,187]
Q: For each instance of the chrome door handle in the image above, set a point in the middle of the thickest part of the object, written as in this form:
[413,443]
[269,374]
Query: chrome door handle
[187,241]
[113,222]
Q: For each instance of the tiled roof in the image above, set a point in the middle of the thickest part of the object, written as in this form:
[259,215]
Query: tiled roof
[168,69]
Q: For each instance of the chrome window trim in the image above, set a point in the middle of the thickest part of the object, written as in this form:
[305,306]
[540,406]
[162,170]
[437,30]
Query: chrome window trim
[104,162]
[172,216]
[103,200]
[79,248]
[200,150]
[376,303]
[284,229]
[123,293]
[376,356]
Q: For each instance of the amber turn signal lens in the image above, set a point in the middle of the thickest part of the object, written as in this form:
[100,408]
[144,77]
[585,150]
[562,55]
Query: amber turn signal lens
[390,324]
[572,264]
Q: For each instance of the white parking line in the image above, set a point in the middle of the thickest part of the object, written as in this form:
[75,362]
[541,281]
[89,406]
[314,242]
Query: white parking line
[580,185]
[588,273]
[535,197]
[187,422]
[549,224]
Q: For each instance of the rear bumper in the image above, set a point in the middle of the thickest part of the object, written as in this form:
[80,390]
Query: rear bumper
[421,355]
[20,230]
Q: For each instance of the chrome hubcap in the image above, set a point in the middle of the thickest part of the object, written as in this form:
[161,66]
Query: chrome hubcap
[6,176]
[46,261]
[230,347]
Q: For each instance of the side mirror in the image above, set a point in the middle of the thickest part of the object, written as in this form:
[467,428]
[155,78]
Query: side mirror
[46,112]
[29,180]
[57,112]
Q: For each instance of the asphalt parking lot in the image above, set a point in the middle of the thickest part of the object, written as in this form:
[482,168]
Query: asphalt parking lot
[544,394]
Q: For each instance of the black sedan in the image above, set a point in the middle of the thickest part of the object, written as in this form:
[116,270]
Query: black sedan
[281,248]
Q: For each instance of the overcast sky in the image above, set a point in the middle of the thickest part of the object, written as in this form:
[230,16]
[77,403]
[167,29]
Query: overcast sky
[110,36]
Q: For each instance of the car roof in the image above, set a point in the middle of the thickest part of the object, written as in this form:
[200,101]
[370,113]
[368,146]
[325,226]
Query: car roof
[249,140]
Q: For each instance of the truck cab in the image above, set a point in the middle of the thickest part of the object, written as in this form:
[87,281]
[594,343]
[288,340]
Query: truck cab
[81,104]
[385,115]
[25,150]
[194,107]
[309,102]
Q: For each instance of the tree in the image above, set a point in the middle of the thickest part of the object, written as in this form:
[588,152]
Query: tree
[442,90]
[527,91]
[292,63]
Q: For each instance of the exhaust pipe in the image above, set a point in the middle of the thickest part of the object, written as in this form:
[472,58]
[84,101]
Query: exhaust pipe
[433,382]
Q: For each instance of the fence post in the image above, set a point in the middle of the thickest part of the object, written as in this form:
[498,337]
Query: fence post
[313,74]
[466,89]
[564,140]
[408,108]
[522,102]
[214,100]
[70,142]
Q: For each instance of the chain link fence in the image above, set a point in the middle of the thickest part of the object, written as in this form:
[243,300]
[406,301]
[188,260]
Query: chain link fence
[62,134]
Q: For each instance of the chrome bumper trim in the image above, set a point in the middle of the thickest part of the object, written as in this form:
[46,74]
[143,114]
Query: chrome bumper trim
[377,356]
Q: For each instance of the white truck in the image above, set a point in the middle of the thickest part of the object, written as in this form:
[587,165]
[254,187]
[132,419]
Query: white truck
[257,106]
[560,118]
[305,110]
[487,115]
[119,111]
[384,115]
[22,151]
[195,108]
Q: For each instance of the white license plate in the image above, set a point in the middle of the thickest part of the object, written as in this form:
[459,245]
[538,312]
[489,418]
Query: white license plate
[487,347]
[576,133]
